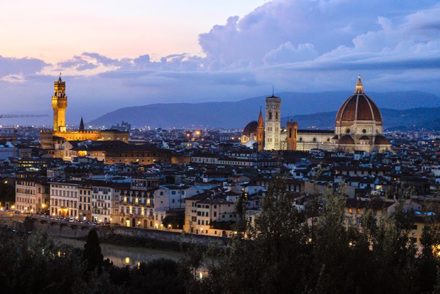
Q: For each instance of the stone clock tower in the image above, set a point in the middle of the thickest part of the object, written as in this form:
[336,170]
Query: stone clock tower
[59,105]
[273,123]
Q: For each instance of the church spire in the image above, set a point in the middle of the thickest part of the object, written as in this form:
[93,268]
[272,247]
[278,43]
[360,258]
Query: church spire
[81,125]
[260,119]
[359,86]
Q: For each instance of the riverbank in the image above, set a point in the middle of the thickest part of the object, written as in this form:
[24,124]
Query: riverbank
[123,255]
[116,235]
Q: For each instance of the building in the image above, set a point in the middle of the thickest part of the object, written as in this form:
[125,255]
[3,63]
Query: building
[211,215]
[64,199]
[168,198]
[85,203]
[358,127]
[7,150]
[105,202]
[136,208]
[31,195]
[50,139]
[113,152]
[272,131]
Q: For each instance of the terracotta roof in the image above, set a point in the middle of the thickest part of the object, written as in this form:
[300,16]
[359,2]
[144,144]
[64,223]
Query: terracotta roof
[358,107]
[346,139]
[381,140]
[250,128]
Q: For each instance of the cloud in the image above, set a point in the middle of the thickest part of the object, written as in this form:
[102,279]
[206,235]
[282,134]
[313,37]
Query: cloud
[287,53]
[19,66]
[13,79]
[296,45]
[86,64]
[287,31]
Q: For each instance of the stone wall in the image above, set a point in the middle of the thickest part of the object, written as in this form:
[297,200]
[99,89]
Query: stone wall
[56,228]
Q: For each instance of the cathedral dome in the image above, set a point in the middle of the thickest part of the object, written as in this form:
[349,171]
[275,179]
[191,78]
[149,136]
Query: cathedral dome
[358,107]
[250,128]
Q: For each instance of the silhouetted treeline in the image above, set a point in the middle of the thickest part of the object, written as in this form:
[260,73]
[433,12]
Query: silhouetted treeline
[284,252]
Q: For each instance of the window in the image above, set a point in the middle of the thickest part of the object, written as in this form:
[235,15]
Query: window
[270,114]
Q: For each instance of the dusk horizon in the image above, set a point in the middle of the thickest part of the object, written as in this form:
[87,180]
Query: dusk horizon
[214,55]
[220,147]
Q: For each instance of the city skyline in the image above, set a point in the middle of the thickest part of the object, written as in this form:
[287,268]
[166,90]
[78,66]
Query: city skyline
[220,146]
[306,46]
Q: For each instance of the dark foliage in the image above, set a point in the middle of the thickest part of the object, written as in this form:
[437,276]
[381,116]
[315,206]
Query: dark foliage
[92,252]
[33,264]
[287,256]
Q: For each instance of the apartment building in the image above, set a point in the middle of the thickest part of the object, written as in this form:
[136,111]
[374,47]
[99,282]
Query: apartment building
[64,199]
[208,214]
[31,195]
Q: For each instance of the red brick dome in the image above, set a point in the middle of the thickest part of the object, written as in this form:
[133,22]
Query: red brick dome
[346,140]
[250,128]
[358,107]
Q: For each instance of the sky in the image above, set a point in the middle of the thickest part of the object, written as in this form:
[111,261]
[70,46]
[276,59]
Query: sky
[136,52]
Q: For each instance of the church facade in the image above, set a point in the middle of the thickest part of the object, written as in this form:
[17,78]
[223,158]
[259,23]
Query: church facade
[358,127]
[50,139]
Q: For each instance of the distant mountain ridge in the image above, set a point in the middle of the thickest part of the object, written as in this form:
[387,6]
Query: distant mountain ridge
[310,109]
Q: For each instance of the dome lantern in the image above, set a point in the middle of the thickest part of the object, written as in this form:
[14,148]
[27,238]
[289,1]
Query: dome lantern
[359,86]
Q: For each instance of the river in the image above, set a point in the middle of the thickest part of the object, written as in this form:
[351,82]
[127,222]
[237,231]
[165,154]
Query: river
[125,255]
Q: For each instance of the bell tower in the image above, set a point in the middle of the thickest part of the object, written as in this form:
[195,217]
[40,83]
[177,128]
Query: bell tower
[59,105]
[273,123]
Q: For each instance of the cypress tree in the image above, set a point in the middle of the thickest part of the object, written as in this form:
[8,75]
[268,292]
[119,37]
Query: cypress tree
[92,252]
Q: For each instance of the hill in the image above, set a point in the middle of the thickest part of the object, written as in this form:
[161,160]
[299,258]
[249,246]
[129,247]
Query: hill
[237,114]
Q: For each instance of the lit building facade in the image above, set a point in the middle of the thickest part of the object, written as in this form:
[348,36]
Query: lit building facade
[358,127]
[60,133]
[203,211]
[105,200]
[272,133]
[64,199]
[31,196]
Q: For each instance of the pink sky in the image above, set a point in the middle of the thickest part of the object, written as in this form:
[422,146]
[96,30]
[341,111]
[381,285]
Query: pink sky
[55,30]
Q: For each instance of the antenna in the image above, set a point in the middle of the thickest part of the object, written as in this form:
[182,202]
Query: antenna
[273,91]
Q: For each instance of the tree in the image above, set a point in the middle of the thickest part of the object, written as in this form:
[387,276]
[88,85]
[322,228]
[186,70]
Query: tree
[92,252]
[286,254]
